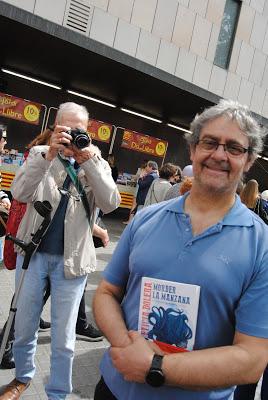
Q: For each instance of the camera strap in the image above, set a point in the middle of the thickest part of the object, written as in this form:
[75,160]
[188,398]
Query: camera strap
[73,175]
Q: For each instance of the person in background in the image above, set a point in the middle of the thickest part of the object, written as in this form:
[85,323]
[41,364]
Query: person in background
[140,172]
[84,329]
[174,191]
[186,185]
[158,189]
[4,199]
[206,238]
[66,253]
[114,169]
[17,210]
[3,141]
[177,177]
[250,196]
[240,187]
[145,181]
[264,195]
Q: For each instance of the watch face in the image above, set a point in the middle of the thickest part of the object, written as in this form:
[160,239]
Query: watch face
[155,378]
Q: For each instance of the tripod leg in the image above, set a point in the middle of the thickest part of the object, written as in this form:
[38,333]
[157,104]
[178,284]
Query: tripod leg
[6,335]
[11,333]
[11,316]
[8,361]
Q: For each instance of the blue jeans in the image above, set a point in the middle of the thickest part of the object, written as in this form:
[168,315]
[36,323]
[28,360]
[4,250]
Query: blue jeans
[65,299]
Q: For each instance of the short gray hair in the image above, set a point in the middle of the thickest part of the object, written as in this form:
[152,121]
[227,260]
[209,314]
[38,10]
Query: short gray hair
[236,112]
[153,165]
[71,108]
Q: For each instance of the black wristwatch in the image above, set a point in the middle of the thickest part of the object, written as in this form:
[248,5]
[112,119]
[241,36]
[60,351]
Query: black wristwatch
[155,377]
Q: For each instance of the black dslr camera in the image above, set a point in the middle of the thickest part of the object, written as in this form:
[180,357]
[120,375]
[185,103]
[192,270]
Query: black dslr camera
[80,138]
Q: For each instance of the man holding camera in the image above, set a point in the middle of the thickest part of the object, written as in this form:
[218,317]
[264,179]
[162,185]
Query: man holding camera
[66,254]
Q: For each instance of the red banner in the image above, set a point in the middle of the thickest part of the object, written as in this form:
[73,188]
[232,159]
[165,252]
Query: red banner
[19,109]
[99,130]
[143,143]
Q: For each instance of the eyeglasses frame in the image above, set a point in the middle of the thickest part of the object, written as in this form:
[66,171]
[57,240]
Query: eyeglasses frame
[225,147]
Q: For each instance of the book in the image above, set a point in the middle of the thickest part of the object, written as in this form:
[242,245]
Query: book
[168,313]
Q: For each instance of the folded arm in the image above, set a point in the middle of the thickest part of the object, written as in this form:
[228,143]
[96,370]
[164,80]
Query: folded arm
[241,363]
[108,313]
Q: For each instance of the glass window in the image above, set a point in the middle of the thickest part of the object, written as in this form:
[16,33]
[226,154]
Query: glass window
[227,33]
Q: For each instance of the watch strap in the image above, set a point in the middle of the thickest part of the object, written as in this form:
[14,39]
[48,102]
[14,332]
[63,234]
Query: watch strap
[155,376]
[157,362]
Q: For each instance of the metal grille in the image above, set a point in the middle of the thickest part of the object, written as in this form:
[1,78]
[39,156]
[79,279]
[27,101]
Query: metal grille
[78,15]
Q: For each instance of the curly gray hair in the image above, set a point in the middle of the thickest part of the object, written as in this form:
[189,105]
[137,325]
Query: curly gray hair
[236,112]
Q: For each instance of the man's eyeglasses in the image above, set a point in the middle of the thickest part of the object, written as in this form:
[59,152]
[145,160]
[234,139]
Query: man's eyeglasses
[231,148]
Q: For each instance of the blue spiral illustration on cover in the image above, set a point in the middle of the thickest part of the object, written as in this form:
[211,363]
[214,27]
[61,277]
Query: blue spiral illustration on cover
[169,326]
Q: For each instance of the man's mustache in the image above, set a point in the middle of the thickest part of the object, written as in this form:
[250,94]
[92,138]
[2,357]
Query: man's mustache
[221,166]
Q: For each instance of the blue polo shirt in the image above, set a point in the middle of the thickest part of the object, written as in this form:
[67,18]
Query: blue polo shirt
[229,261]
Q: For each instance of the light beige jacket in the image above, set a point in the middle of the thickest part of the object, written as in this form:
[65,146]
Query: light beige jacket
[39,179]
[157,191]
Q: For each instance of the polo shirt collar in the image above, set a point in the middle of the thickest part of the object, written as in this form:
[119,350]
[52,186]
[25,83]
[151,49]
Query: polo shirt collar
[238,215]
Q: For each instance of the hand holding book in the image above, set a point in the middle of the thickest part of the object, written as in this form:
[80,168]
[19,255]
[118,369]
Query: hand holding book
[134,360]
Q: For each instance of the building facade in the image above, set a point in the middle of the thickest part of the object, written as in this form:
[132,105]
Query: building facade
[167,59]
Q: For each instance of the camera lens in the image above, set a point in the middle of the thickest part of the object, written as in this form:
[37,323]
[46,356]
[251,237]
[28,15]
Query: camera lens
[80,138]
[81,141]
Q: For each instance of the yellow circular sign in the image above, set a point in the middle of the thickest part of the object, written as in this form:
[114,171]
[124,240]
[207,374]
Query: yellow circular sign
[160,148]
[31,113]
[104,132]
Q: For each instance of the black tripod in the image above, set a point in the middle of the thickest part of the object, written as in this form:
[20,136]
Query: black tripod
[44,209]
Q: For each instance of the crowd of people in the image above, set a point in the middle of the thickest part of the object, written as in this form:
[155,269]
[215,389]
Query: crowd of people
[185,227]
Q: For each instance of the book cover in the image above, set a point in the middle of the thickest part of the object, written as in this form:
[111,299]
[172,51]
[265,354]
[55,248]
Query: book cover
[168,313]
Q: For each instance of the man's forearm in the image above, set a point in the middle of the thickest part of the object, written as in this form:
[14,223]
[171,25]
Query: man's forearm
[211,368]
[208,369]
[109,318]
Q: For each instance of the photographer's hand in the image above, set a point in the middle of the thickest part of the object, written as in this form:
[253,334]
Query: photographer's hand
[59,139]
[82,155]
[102,234]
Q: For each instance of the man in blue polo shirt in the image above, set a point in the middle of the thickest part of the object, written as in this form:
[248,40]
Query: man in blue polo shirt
[206,238]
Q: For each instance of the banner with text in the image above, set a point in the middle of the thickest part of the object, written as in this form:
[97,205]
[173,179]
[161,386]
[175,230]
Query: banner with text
[99,130]
[19,109]
[144,143]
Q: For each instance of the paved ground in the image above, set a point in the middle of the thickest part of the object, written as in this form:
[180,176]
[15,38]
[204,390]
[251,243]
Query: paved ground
[87,355]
